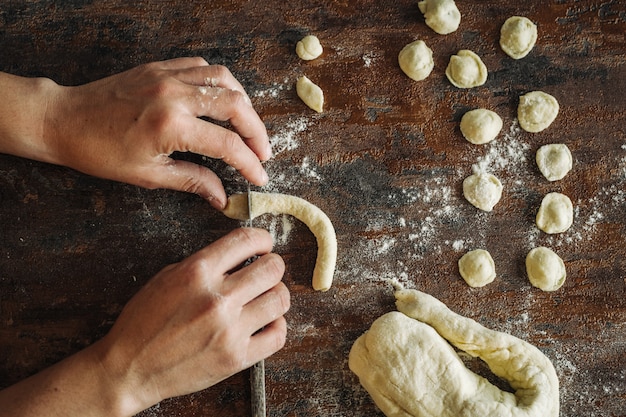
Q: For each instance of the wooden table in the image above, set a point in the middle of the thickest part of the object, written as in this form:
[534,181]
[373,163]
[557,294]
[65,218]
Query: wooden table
[385,161]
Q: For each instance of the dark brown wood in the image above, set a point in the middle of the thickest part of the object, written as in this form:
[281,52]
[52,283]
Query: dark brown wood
[385,161]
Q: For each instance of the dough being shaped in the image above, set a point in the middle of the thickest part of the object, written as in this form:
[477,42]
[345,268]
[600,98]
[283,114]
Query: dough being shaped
[442,16]
[556,213]
[545,269]
[536,111]
[480,126]
[466,70]
[309,214]
[477,268]
[309,48]
[482,190]
[311,94]
[416,60]
[554,161]
[409,369]
[518,36]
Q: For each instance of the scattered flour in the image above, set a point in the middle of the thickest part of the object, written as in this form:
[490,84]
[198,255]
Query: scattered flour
[271,92]
[507,153]
[285,139]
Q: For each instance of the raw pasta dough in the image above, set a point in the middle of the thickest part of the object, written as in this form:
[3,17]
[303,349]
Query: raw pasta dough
[556,213]
[309,48]
[545,269]
[416,60]
[477,268]
[309,214]
[554,161]
[410,370]
[311,94]
[442,16]
[480,126]
[483,190]
[466,70]
[518,36]
[536,111]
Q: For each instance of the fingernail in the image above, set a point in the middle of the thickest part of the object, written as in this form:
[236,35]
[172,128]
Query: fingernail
[264,177]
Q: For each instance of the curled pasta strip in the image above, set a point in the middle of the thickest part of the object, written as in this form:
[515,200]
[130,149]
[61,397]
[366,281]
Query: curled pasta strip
[309,214]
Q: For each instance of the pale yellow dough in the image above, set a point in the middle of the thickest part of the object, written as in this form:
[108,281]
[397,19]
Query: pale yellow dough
[309,48]
[536,111]
[545,269]
[483,190]
[442,16]
[477,268]
[518,36]
[556,213]
[480,126]
[466,70]
[406,364]
[309,214]
[310,93]
[554,161]
[416,60]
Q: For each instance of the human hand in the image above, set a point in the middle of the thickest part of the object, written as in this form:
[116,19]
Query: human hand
[125,127]
[195,323]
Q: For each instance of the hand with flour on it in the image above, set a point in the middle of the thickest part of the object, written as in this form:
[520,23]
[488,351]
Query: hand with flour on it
[126,126]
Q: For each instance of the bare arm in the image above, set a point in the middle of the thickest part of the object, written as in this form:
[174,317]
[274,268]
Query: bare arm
[193,325]
[125,127]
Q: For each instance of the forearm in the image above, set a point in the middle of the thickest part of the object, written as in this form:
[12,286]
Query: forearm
[76,386]
[23,109]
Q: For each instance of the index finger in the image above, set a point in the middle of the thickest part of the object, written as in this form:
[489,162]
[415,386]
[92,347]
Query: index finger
[230,251]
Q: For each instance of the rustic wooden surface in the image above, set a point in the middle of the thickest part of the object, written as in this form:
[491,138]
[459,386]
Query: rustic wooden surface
[385,161]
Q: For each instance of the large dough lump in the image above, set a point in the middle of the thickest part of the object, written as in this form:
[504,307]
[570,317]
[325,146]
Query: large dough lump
[309,214]
[408,367]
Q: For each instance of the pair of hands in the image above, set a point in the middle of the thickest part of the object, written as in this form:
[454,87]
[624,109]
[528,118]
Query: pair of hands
[196,322]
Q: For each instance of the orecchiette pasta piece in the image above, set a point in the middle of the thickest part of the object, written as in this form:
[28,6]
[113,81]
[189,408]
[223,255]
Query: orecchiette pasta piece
[477,268]
[480,126]
[554,161]
[518,36]
[315,219]
[556,213]
[536,111]
[466,70]
[416,60]
[482,190]
[442,16]
[545,269]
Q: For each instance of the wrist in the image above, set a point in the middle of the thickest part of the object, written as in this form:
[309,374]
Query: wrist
[24,117]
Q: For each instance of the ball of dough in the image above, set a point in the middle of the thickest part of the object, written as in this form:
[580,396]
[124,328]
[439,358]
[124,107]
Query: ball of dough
[310,93]
[554,161]
[477,268]
[416,60]
[309,48]
[482,190]
[545,269]
[480,126]
[442,16]
[466,70]
[536,111]
[556,213]
[518,36]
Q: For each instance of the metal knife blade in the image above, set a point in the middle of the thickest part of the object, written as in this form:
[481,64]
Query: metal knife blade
[257,372]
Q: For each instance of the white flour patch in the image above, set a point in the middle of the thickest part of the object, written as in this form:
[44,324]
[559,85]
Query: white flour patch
[506,153]
[272,91]
[285,139]
[308,170]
